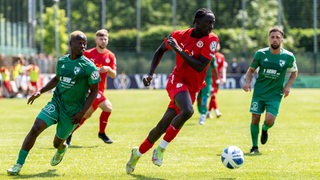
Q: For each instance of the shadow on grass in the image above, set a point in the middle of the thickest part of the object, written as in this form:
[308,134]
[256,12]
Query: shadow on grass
[49,174]
[74,147]
[78,147]
[249,154]
[137,176]
[246,154]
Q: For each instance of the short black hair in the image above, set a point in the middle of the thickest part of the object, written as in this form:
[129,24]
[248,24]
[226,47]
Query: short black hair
[201,13]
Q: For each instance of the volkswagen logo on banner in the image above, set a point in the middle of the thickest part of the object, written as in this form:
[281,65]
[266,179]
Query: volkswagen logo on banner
[122,81]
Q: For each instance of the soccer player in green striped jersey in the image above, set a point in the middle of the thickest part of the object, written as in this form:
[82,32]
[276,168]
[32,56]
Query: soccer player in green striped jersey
[75,76]
[273,63]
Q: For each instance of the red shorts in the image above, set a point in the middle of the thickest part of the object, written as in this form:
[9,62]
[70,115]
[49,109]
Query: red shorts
[7,86]
[99,99]
[214,87]
[34,84]
[173,88]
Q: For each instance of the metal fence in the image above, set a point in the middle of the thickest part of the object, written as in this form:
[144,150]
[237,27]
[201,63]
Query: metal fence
[19,38]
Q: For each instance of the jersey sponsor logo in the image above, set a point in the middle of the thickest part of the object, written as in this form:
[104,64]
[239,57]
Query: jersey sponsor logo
[50,108]
[199,44]
[65,79]
[76,70]
[95,75]
[271,73]
[179,85]
[282,63]
[213,46]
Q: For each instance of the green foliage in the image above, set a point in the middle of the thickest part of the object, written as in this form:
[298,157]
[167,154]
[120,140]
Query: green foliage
[85,16]
[49,32]
[157,22]
[259,17]
[123,40]
[154,36]
[299,13]
[304,38]
[290,153]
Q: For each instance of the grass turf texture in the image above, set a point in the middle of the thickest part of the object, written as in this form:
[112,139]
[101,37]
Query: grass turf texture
[292,151]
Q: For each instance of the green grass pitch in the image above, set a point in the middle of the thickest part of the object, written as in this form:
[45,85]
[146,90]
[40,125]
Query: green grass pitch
[292,152]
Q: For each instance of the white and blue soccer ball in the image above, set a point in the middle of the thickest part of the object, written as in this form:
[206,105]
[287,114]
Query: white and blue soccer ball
[232,157]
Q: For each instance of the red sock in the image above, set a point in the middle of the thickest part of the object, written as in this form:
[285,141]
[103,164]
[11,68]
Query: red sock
[104,117]
[171,133]
[213,103]
[145,146]
[80,124]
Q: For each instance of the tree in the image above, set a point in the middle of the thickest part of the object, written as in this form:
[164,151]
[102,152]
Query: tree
[49,31]
[259,17]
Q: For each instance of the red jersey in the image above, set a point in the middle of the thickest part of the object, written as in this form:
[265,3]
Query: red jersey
[220,63]
[105,59]
[196,47]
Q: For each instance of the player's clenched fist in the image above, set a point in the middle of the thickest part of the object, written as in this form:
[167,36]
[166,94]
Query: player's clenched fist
[147,80]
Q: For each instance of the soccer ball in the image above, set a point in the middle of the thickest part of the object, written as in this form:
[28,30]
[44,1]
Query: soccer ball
[232,157]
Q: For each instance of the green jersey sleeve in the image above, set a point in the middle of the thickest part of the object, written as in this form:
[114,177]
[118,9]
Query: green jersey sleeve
[213,62]
[93,74]
[256,60]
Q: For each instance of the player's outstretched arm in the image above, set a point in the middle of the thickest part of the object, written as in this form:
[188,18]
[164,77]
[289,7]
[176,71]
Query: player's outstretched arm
[50,85]
[197,64]
[286,89]
[154,64]
[247,85]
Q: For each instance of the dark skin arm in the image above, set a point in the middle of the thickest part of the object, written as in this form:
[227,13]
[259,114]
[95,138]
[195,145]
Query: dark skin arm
[50,85]
[197,64]
[76,118]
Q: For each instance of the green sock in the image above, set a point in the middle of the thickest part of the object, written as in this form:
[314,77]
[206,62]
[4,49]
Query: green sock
[22,156]
[62,150]
[265,127]
[254,129]
[202,109]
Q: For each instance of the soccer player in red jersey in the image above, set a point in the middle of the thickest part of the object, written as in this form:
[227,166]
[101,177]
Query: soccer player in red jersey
[105,61]
[5,74]
[221,67]
[194,48]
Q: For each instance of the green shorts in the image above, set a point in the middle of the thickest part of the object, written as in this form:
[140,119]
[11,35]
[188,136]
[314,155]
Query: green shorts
[203,97]
[52,114]
[258,106]
[205,91]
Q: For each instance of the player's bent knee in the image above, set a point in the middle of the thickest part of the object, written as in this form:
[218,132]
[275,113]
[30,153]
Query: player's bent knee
[187,113]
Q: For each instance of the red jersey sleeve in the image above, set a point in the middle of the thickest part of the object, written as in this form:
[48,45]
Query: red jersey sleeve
[113,61]
[210,43]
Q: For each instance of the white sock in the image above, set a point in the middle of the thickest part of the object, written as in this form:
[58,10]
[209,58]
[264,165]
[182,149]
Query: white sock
[216,111]
[163,144]
[139,153]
